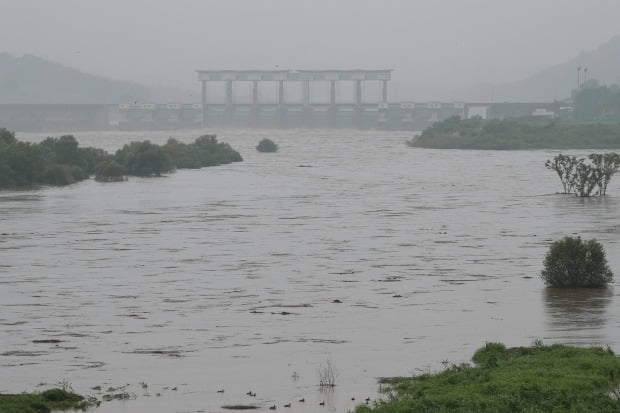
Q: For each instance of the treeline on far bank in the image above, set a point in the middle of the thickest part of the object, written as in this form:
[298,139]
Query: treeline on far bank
[60,161]
[519,133]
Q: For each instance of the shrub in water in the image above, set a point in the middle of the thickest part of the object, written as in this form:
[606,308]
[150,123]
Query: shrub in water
[267,145]
[204,151]
[62,174]
[144,159]
[6,136]
[574,263]
[60,395]
[110,171]
[581,175]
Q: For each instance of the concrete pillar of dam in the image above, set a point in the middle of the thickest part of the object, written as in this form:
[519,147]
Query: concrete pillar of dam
[357,118]
[333,108]
[255,117]
[280,92]
[204,103]
[229,93]
[255,92]
[305,92]
[384,90]
[358,93]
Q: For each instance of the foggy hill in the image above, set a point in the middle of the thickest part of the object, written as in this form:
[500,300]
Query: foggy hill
[30,79]
[556,82]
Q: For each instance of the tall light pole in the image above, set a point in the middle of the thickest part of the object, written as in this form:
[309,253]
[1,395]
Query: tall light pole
[585,75]
[578,74]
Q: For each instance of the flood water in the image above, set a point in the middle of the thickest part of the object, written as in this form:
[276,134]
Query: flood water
[344,245]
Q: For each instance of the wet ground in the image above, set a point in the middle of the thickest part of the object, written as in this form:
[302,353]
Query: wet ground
[345,246]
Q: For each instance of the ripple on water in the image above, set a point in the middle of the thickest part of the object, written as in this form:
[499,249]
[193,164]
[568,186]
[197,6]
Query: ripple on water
[246,275]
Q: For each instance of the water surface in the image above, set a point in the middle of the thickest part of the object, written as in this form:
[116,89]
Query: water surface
[344,245]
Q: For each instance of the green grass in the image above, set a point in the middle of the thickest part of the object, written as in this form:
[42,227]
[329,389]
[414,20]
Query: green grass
[534,379]
[47,401]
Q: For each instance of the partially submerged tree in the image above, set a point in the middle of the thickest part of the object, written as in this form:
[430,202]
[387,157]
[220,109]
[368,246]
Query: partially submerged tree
[584,179]
[574,263]
[564,166]
[606,165]
[327,375]
[581,176]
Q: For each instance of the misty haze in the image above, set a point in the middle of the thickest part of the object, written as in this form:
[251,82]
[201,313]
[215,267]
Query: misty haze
[346,206]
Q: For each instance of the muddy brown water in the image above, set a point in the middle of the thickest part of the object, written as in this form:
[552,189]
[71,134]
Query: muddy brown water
[384,259]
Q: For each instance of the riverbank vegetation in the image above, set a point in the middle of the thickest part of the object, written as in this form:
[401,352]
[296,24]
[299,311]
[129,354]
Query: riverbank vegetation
[574,263]
[519,133]
[45,402]
[540,378]
[60,161]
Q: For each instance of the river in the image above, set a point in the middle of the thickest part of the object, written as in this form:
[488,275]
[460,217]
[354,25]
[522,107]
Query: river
[345,246]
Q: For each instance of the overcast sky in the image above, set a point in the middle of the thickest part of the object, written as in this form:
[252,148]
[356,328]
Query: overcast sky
[436,46]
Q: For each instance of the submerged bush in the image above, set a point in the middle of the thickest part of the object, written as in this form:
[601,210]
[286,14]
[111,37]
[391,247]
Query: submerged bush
[60,395]
[327,375]
[62,174]
[110,171]
[60,161]
[574,263]
[210,152]
[204,151]
[53,161]
[144,159]
[6,136]
[267,145]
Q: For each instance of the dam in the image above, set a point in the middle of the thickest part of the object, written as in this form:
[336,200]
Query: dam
[303,111]
[268,99]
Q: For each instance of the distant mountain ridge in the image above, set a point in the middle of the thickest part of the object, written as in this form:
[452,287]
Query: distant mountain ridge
[556,82]
[30,79]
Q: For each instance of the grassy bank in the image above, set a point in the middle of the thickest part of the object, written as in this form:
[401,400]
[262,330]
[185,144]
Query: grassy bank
[534,379]
[53,399]
[522,133]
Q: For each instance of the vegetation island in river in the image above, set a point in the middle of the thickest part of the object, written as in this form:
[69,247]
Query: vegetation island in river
[518,133]
[60,161]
